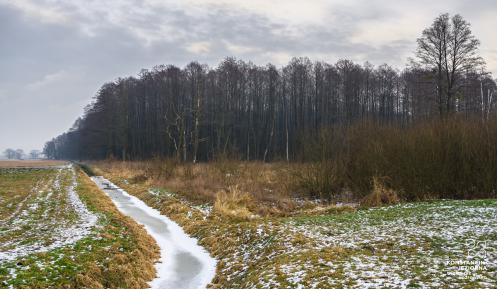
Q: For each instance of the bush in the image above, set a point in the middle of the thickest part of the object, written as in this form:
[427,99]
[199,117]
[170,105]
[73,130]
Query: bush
[451,158]
[319,180]
[160,168]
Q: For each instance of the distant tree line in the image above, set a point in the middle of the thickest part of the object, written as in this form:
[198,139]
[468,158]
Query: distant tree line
[14,154]
[18,154]
[252,112]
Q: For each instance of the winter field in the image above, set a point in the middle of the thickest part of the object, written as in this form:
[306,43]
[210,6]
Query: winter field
[57,230]
[440,244]
[434,244]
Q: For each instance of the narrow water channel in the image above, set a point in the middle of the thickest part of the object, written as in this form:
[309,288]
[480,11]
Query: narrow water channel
[183,263]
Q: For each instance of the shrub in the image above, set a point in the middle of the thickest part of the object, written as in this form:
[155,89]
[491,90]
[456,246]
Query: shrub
[451,158]
[160,168]
[318,181]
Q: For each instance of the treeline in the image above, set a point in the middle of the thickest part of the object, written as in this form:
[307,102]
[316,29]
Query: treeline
[18,154]
[253,112]
[14,154]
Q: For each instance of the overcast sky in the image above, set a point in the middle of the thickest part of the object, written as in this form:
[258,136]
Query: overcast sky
[55,54]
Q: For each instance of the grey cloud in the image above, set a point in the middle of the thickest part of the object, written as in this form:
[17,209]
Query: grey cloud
[50,70]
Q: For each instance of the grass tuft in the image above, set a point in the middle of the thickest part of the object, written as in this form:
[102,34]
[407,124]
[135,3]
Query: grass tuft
[380,195]
[233,204]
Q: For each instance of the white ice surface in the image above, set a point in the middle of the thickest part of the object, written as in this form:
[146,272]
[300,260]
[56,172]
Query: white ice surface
[183,263]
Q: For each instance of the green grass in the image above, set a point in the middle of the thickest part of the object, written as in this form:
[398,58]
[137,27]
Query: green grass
[94,261]
[411,244]
[44,214]
[60,266]
[15,186]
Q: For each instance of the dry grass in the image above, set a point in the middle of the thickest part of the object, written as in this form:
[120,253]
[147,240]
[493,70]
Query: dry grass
[30,163]
[130,269]
[268,189]
[380,196]
[234,204]
[329,210]
[220,235]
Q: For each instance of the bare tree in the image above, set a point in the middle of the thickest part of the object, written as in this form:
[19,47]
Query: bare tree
[34,154]
[242,110]
[19,154]
[449,48]
[10,154]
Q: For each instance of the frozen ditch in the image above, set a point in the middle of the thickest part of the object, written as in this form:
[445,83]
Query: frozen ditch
[183,263]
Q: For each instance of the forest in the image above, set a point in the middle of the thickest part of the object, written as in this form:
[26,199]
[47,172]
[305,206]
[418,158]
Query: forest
[254,112]
[250,112]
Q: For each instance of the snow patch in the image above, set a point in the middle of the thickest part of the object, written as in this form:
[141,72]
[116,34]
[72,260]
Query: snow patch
[61,235]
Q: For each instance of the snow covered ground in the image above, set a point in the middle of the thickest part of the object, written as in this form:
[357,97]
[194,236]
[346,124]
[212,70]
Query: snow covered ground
[442,244]
[448,244]
[51,216]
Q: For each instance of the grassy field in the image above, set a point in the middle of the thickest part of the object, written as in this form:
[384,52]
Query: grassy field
[30,163]
[434,244]
[427,244]
[57,230]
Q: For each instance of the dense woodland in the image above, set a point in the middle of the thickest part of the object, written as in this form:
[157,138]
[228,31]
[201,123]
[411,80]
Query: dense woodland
[250,112]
